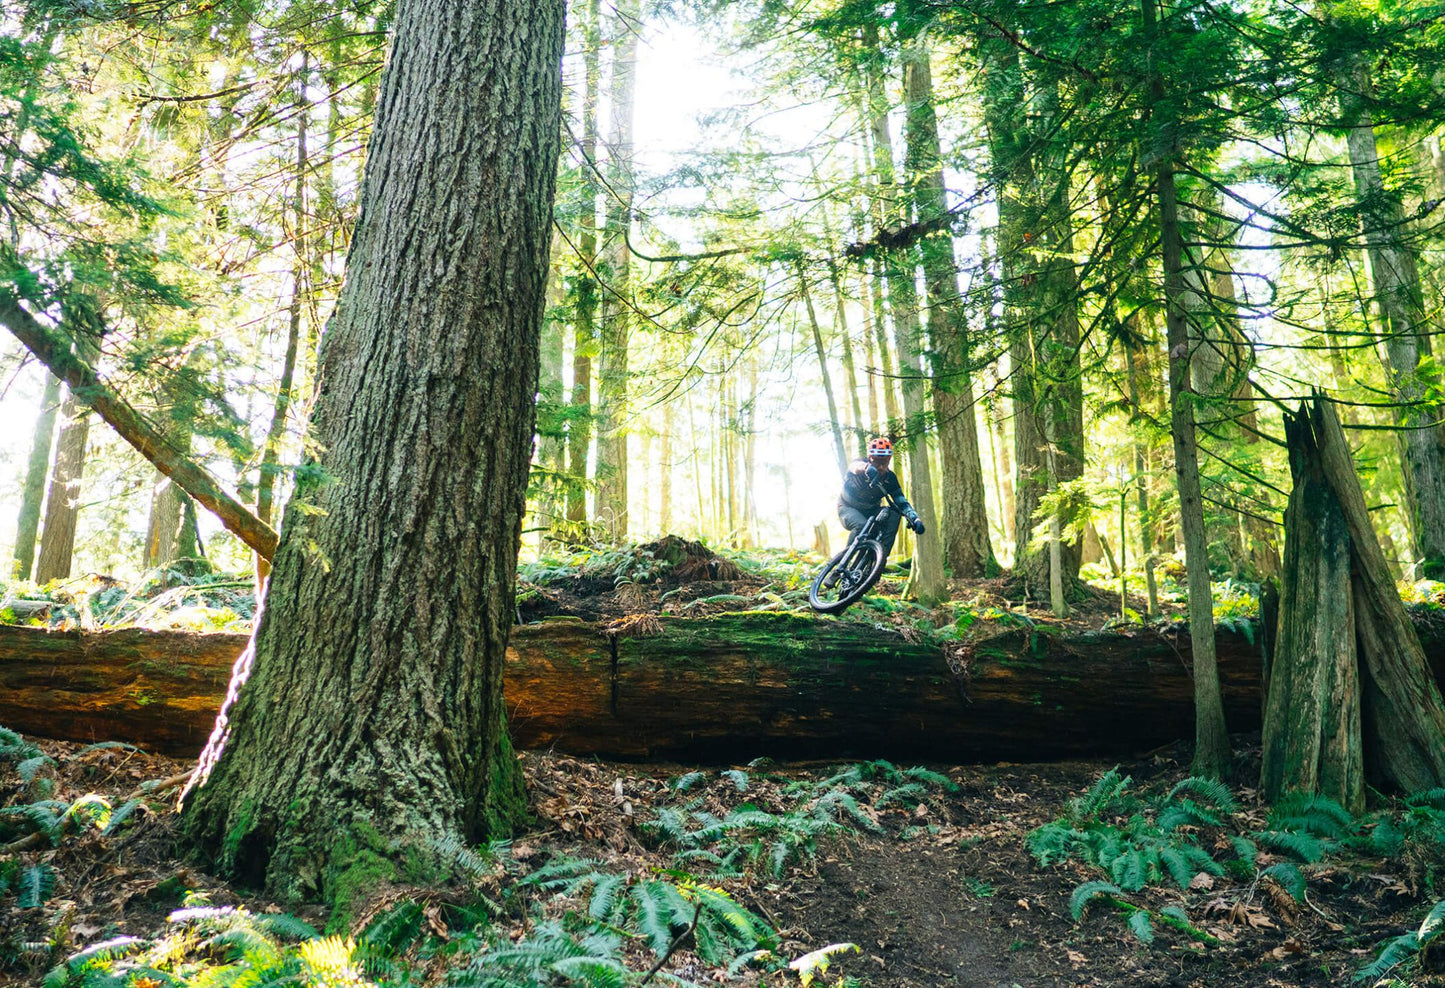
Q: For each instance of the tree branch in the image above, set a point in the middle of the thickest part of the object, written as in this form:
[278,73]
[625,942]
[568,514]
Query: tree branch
[88,388]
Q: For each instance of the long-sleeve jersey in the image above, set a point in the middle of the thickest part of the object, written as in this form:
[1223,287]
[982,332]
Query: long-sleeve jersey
[865,493]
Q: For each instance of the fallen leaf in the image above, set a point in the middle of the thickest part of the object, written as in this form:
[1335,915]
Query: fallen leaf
[1023,903]
[1075,958]
[1201,882]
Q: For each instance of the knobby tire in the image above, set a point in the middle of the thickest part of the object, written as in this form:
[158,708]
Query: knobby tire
[863,563]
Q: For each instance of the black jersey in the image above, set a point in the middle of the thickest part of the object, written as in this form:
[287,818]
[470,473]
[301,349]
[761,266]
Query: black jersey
[865,492]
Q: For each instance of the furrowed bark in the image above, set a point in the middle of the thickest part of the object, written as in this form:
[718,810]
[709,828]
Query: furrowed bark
[365,724]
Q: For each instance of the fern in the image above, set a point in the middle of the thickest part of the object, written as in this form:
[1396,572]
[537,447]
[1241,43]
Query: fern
[606,897]
[1305,847]
[34,886]
[30,766]
[1311,813]
[840,801]
[14,748]
[1187,813]
[738,778]
[393,930]
[1107,791]
[660,909]
[1141,926]
[120,815]
[686,782]
[1396,952]
[1208,792]
[1289,877]
[930,777]
[1087,893]
[565,874]
[910,793]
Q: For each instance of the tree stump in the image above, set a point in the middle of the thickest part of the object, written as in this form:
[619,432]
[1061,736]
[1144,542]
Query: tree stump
[1350,691]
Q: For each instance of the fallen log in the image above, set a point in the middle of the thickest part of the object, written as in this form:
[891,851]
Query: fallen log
[716,689]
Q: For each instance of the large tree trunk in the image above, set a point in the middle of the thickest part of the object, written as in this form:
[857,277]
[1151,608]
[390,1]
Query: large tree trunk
[365,720]
[1395,275]
[963,521]
[1040,386]
[612,373]
[704,689]
[33,496]
[62,500]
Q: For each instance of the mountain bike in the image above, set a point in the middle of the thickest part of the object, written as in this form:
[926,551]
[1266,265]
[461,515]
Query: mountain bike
[851,573]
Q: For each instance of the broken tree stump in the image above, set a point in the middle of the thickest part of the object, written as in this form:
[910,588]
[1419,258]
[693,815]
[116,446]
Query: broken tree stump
[1351,685]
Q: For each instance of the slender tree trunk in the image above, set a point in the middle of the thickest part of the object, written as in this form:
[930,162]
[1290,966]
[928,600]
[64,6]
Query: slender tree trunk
[840,448]
[1137,382]
[62,500]
[664,510]
[613,374]
[926,578]
[163,527]
[33,495]
[365,725]
[967,549]
[584,339]
[1211,737]
[1396,278]
[300,270]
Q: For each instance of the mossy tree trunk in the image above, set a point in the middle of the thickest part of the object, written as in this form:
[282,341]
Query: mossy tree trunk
[27,526]
[365,720]
[963,521]
[1361,634]
[1312,711]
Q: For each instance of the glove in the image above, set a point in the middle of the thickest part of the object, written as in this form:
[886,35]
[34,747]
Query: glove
[913,521]
[871,472]
[917,526]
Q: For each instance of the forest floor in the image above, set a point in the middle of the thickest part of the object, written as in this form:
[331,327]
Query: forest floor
[931,872]
[943,891]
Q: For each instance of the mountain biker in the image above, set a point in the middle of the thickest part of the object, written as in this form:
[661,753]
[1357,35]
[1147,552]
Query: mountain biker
[863,487]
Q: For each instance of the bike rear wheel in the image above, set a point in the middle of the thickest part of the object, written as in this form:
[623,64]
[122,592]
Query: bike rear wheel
[855,570]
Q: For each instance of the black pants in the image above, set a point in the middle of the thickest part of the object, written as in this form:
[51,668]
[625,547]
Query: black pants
[853,519]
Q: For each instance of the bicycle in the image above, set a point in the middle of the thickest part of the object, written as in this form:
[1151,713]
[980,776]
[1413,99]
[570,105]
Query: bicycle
[854,570]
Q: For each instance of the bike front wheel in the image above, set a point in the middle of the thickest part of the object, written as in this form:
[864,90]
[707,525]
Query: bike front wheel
[848,576]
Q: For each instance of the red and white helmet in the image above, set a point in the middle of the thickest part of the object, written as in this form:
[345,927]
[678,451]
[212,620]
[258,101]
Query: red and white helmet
[880,446]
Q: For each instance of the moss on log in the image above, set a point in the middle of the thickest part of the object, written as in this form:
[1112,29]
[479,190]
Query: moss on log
[715,689]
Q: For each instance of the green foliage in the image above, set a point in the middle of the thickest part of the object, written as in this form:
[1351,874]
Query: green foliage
[1405,947]
[205,945]
[751,838]
[659,910]
[1137,842]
